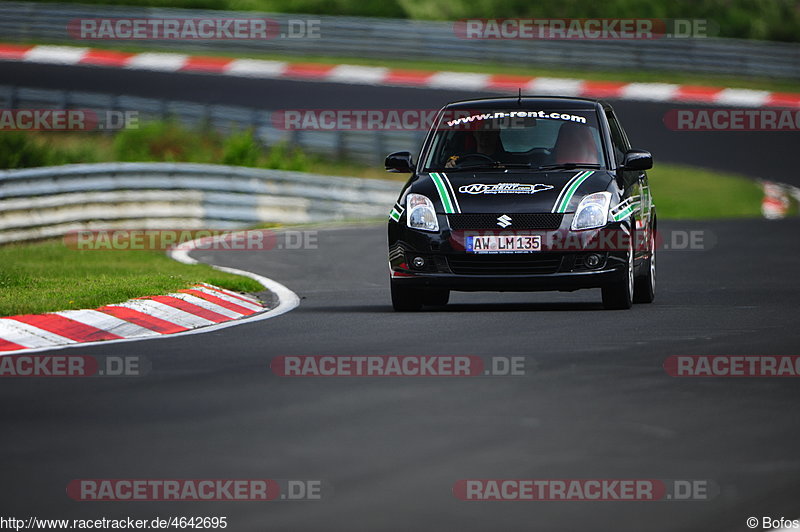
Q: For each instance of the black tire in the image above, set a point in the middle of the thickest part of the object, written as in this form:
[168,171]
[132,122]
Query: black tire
[436,298]
[406,299]
[619,295]
[644,290]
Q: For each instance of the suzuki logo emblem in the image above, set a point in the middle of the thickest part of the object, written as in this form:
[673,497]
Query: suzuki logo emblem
[504,221]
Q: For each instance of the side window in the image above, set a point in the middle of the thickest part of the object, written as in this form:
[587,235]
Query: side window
[617,138]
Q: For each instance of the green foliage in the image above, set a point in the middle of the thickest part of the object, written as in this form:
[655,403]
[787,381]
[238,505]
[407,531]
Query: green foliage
[282,157]
[18,151]
[24,150]
[242,149]
[166,141]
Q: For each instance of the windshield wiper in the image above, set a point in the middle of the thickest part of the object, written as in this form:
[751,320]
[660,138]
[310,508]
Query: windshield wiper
[567,166]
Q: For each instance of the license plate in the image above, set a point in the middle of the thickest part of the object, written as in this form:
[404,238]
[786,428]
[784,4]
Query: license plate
[504,244]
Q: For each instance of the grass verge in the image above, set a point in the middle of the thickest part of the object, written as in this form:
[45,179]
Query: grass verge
[686,192]
[49,276]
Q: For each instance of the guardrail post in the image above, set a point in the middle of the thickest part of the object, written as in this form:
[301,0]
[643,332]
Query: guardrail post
[380,147]
[340,144]
[205,121]
[164,109]
[13,97]
[65,99]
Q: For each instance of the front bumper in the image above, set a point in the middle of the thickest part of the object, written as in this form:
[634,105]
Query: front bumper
[513,283]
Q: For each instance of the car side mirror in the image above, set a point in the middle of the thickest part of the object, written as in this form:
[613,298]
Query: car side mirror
[399,162]
[637,160]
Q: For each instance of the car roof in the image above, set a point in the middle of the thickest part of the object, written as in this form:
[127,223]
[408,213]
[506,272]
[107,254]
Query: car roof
[528,102]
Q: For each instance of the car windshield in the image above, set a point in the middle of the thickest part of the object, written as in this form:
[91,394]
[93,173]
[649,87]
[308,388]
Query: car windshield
[515,138]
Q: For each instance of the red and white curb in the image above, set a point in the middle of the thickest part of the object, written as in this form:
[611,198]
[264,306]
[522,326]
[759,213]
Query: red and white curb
[371,75]
[199,309]
[777,203]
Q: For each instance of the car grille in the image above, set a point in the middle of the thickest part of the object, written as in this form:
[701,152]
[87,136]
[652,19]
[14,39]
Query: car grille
[506,264]
[539,221]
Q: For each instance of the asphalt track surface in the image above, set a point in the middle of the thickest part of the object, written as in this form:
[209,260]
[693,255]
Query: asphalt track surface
[594,403]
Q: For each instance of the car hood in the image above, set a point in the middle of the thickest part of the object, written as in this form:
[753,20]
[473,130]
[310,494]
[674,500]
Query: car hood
[509,192]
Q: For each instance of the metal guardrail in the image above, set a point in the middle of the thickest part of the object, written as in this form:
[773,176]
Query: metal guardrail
[368,147]
[47,202]
[390,38]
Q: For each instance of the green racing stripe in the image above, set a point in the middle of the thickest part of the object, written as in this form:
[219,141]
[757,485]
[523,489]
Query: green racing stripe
[447,202]
[622,214]
[571,187]
[625,209]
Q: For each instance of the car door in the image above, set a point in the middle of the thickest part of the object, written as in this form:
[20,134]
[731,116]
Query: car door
[635,184]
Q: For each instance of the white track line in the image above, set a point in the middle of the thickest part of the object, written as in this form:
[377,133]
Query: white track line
[156,61]
[256,68]
[743,97]
[458,80]
[658,92]
[61,55]
[563,86]
[365,75]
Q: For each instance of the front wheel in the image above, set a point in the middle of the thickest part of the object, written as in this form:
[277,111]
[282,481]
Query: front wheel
[619,295]
[406,299]
[644,291]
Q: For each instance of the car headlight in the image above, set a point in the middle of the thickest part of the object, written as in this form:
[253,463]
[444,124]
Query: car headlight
[421,214]
[592,211]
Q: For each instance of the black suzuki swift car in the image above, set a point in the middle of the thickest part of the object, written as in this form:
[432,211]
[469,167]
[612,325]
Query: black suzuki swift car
[523,194]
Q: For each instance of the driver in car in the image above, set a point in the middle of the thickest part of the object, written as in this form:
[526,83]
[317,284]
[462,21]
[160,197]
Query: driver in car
[487,142]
